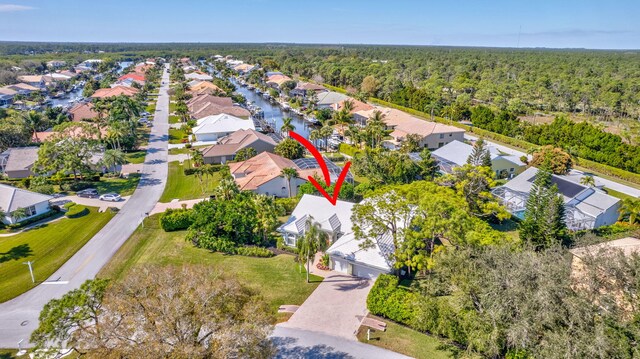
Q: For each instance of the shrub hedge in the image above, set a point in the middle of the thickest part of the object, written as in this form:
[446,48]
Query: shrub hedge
[254,252]
[348,149]
[176,219]
[34,219]
[77,211]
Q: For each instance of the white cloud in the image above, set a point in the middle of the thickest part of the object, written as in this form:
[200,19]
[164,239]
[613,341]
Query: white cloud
[14,8]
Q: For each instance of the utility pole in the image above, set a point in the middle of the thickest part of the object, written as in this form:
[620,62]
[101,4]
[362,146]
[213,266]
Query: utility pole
[30,270]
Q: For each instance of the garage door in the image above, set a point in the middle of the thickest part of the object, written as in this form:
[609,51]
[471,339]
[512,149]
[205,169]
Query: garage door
[339,265]
[365,272]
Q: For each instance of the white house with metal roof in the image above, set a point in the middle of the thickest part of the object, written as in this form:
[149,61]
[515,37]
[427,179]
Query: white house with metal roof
[585,207]
[456,153]
[211,128]
[12,199]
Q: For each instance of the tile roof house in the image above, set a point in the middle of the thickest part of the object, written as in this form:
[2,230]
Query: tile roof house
[585,207]
[82,112]
[333,220]
[277,79]
[115,91]
[244,68]
[33,80]
[199,86]
[227,147]
[357,106]
[198,76]
[204,105]
[305,89]
[456,153]
[432,134]
[23,88]
[12,199]
[212,128]
[329,99]
[131,78]
[19,161]
[6,96]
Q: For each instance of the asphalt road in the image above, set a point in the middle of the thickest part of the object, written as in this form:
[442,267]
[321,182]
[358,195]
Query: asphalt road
[19,316]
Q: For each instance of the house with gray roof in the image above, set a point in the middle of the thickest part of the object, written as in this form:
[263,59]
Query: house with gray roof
[585,207]
[455,154]
[330,98]
[227,147]
[17,162]
[13,199]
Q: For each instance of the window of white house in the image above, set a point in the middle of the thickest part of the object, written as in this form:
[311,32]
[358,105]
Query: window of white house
[31,211]
[442,135]
[511,169]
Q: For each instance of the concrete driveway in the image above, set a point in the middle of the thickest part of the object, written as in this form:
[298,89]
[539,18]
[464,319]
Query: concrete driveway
[336,307]
[94,202]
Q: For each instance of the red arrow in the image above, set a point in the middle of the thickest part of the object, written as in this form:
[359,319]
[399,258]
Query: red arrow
[325,170]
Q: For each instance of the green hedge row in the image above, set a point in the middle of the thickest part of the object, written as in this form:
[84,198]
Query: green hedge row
[76,211]
[348,149]
[34,219]
[433,315]
[192,170]
[176,219]
[254,252]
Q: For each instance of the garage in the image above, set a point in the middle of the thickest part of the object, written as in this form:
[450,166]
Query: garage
[359,270]
[366,272]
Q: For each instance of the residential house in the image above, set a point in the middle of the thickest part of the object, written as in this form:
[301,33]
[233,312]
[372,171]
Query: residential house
[276,80]
[115,91]
[432,135]
[6,96]
[12,199]
[198,76]
[19,161]
[356,106]
[129,79]
[243,68]
[227,147]
[33,80]
[329,99]
[196,86]
[456,153]
[54,64]
[305,89]
[203,104]
[347,256]
[585,207]
[142,68]
[212,128]
[262,173]
[23,88]
[82,112]
[335,221]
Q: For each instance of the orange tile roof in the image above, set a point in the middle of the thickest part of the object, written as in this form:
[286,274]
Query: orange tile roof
[204,85]
[83,111]
[134,76]
[258,170]
[115,91]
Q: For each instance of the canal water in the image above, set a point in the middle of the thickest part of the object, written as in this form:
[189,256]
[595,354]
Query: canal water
[273,112]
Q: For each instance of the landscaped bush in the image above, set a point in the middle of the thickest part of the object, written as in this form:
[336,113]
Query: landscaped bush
[189,171]
[68,205]
[34,219]
[254,252]
[387,300]
[348,149]
[176,219]
[44,189]
[78,185]
[77,211]
[287,205]
[284,247]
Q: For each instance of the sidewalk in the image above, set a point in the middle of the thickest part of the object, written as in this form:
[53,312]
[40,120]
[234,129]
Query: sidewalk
[174,204]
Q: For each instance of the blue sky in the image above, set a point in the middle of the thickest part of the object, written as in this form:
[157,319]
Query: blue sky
[604,24]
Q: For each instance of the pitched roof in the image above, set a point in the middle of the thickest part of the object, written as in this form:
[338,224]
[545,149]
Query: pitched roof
[134,76]
[357,106]
[22,86]
[330,98]
[12,198]
[7,91]
[308,86]
[211,109]
[21,158]
[30,78]
[379,256]
[200,99]
[198,76]
[404,124]
[83,111]
[458,153]
[197,85]
[254,172]
[115,91]
[229,145]
[278,79]
[329,217]
[222,123]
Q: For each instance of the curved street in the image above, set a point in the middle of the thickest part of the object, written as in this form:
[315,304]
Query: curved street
[19,316]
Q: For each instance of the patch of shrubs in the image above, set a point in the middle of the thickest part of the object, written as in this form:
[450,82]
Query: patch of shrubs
[33,219]
[77,211]
[254,252]
[192,170]
[176,219]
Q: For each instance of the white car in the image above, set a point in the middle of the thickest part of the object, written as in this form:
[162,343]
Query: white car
[112,197]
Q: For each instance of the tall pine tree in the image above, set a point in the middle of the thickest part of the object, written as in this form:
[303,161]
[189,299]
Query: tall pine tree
[480,155]
[543,223]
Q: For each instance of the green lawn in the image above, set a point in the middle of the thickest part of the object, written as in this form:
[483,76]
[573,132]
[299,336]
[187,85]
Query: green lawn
[174,119]
[184,187]
[177,151]
[172,107]
[617,194]
[176,135]
[122,186]
[278,279]
[136,157]
[48,247]
[151,108]
[406,341]
[8,353]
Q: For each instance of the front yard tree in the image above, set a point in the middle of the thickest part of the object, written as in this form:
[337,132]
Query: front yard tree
[543,223]
[289,148]
[113,158]
[559,162]
[289,173]
[313,241]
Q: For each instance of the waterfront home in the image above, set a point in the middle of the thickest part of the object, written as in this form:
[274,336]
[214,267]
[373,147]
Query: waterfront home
[203,86]
[329,99]
[227,147]
[276,80]
[243,68]
[13,199]
[23,88]
[203,104]
[82,112]
[115,91]
[356,106]
[335,221]
[33,80]
[585,207]
[6,96]
[198,76]
[129,79]
[456,153]
[306,89]
[213,128]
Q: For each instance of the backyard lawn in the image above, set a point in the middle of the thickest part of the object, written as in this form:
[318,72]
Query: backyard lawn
[278,279]
[406,341]
[184,187]
[48,247]
[176,135]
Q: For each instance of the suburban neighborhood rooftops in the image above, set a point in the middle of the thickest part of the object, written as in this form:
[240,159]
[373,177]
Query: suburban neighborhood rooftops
[12,198]
[222,123]
[198,76]
[330,218]
[115,91]
[21,158]
[458,153]
[229,145]
[329,98]
[83,111]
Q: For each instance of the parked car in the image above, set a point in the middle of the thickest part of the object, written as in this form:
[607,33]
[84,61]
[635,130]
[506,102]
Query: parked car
[111,197]
[145,114]
[88,193]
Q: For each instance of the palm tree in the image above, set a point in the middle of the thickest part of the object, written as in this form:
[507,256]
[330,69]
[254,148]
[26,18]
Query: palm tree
[112,158]
[314,136]
[197,157]
[116,133]
[19,214]
[630,208]
[287,126]
[289,173]
[326,132]
[347,106]
[588,180]
[313,240]
[33,121]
